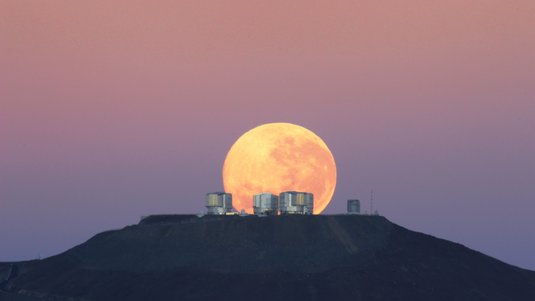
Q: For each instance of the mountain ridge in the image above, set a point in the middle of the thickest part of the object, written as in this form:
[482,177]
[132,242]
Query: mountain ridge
[346,257]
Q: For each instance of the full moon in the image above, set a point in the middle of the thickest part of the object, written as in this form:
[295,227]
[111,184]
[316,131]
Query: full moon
[277,157]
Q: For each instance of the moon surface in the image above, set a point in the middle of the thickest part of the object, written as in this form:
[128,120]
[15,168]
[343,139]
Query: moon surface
[277,157]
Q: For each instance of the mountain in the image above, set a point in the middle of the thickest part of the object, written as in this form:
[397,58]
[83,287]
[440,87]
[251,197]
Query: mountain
[323,257]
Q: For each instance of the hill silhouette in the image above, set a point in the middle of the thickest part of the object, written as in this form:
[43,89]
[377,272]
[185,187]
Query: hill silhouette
[338,257]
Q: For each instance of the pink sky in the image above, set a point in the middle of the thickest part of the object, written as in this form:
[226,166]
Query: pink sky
[110,110]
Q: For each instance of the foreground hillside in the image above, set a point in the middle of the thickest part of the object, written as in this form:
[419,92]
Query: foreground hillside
[266,258]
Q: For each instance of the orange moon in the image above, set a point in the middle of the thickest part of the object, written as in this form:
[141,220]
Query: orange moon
[277,157]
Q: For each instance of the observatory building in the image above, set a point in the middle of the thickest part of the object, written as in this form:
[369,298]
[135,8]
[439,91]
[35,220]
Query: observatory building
[353,206]
[218,203]
[265,204]
[295,202]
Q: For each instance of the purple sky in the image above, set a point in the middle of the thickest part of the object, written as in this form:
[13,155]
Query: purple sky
[114,110]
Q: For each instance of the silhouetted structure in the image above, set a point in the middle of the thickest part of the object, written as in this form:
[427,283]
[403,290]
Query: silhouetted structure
[353,206]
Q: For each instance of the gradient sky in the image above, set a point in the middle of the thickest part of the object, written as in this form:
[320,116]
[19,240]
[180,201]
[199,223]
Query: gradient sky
[110,110]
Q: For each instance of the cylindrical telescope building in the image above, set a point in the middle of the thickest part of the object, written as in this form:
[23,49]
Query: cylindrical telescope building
[265,204]
[296,202]
[353,206]
[218,203]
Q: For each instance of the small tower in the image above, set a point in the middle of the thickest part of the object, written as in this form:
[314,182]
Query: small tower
[353,206]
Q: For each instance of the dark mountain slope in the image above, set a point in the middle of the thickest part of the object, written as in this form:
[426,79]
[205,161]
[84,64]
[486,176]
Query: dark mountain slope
[276,258]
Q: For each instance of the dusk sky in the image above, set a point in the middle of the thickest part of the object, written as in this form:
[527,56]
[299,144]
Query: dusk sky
[111,110]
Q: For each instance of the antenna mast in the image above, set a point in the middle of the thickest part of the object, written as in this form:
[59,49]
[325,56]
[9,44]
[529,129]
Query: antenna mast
[371,203]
